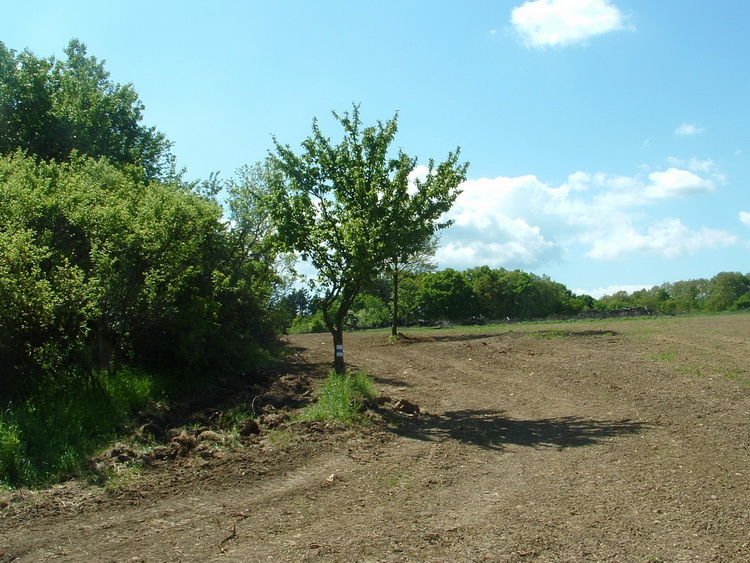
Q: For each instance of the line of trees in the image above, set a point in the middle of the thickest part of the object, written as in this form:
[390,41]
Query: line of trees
[484,294]
[479,294]
[726,291]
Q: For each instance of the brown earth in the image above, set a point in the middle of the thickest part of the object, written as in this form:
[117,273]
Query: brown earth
[593,441]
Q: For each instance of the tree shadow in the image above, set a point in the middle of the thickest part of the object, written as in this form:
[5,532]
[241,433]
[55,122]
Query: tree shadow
[394,381]
[491,430]
[432,337]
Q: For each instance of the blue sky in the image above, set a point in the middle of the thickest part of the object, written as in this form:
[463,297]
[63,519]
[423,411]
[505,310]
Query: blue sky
[609,140]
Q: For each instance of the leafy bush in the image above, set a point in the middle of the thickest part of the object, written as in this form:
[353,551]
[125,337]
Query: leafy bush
[100,270]
[743,303]
[308,324]
[369,311]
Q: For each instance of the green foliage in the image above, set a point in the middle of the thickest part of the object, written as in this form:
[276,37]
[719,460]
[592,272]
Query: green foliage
[443,295]
[103,265]
[342,398]
[726,291]
[56,108]
[101,270]
[368,311]
[347,208]
[519,295]
[743,303]
[308,324]
[48,435]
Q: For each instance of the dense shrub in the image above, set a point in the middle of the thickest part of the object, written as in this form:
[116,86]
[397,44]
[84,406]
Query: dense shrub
[99,270]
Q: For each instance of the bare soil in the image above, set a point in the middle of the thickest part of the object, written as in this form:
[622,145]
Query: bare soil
[618,440]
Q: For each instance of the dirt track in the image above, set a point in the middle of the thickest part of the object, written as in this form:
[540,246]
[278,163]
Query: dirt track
[595,441]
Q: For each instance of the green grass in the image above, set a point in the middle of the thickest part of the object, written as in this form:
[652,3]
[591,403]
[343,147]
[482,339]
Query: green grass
[667,356]
[48,436]
[233,417]
[548,334]
[281,438]
[342,398]
[738,375]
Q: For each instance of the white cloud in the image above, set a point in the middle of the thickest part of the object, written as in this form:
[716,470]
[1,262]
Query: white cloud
[677,183]
[745,217]
[668,238]
[701,165]
[706,166]
[558,23]
[515,244]
[522,222]
[687,129]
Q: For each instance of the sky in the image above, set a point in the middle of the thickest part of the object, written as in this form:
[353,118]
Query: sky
[609,140]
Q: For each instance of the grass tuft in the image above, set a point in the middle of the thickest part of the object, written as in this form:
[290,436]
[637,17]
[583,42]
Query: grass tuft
[342,398]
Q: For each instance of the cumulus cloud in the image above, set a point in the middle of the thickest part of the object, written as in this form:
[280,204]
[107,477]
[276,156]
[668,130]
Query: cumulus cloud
[515,245]
[522,222]
[677,183]
[745,217]
[687,129]
[667,238]
[491,224]
[558,23]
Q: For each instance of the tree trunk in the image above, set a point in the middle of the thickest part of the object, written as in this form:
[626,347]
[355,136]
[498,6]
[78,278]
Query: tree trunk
[394,321]
[338,351]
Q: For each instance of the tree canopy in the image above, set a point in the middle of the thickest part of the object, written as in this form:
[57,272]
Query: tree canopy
[99,271]
[55,108]
[350,208]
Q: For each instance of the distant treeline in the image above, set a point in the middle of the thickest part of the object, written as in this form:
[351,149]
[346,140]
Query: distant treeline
[484,294]
[726,291]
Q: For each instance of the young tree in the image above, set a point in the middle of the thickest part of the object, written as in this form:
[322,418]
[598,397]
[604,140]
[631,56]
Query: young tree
[348,210]
[415,210]
[401,265]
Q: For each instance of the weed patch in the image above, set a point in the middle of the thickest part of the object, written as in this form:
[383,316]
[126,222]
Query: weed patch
[49,435]
[281,438]
[342,398]
[668,356]
[739,376]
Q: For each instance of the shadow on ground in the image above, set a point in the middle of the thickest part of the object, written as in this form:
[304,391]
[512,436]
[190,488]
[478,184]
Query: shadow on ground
[492,430]
[430,337]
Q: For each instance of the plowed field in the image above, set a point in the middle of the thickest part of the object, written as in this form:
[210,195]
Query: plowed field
[623,440]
